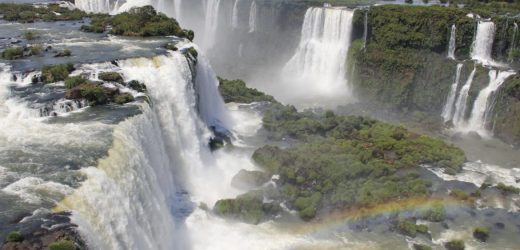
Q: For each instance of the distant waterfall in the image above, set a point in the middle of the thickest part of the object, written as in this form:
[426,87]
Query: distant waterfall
[462,99]
[483,43]
[447,111]
[319,62]
[481,108]
[97,6]
[234,16]
[453,38]
[513,40]
[211,23]
[252,17]
[177,4]
[365,30]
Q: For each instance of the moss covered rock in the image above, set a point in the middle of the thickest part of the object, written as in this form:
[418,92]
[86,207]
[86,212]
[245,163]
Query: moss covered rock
[111,77]
[248,208]
[481,234]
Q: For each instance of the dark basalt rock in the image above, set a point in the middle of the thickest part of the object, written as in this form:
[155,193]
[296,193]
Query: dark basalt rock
[500,225]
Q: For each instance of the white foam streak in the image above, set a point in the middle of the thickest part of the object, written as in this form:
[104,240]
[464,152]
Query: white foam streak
[483,43]
[452,45]
[447,111]
[211,23]
[252,17]
[234,16]
[462,99]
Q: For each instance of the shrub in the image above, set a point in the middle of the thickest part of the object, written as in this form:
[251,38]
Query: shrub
[36,49]
[94,94]
[111,77]
[454,245]
[123,98]
[56,73]
[193,52]
[74,81]
[481,234]
[408,227]
[237,91]
[459,194]
[505,189]
[14,236]
[137,86]
[436,213]
[12,53]
[62,245]
[30,35]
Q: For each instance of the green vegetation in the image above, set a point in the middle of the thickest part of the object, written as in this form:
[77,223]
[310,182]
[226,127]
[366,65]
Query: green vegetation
[505,189]
[236,91]
[193,52]
[62,245]
[454,245]
[137,86]
[14,236]
[421,247]
[248,208]
[56,73]
[409,228]
[12,53]
[93,93]
[507,110]
[123,98]
[436,213]
[171,46]
[74,81]
[111,77]
[138,21]
[481,234]
[459,194]
[30,13]
[30,35]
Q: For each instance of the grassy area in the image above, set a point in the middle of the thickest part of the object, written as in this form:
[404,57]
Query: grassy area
[30,13]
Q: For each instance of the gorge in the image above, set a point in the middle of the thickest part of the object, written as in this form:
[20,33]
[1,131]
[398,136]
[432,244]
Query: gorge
[357,125]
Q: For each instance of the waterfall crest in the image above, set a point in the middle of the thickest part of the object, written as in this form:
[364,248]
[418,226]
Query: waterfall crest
[97,6]
[452,45]
[447,111]
[319,61]
[483,43]
[252,17]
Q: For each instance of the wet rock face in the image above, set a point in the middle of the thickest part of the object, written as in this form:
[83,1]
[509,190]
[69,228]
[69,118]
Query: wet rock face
[42,232]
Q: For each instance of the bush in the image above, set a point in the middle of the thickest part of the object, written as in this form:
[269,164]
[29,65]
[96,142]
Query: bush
[30,35]
[137,86]
[74,81]
[459,194]
[111,77]
[56,73]
[30,13]
[123,98]
[454,245]
[481,234]
[237,91]
[436,213]
[12,53]
[505,189]
[94,94]
[62,245]
[14,236]
[193,52]
[408,227]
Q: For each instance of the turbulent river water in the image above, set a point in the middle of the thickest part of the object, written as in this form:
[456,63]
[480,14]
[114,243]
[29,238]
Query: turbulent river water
[141,176]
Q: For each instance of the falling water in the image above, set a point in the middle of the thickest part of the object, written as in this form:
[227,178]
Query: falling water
[447,111]
[98,6]
[252,17]
[453,37]
[177,5]
[211,23]
[483,43]
[513,41]
[365,30]
[460,104]
[320,59]
[481,107]
[234,17]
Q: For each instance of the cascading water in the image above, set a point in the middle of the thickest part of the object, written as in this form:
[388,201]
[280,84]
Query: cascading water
[319,62]
[252,17]
[177,4]
[460,104]
[212,8]
[482,108]
[365,30]
[483,43]
[453,37]
[97,6]
[513,40]
[447,112]
[234,17]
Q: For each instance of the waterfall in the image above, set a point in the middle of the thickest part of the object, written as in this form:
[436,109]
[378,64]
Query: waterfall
[453,37]
[234,17]
[211,23]
[482,108]
[483,43]
[177,4]
[97,6]
[365,30]
[460,104]
[252,17]
[513,41]
[447,111]
[319,62]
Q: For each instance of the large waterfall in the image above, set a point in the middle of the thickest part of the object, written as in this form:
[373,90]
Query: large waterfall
[483,43]
[98,6]
[234,15]
[483,104]
[447,112]
[452,45]
[462,99]
[212,8]
[319,63]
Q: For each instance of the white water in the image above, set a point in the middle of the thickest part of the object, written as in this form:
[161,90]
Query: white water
[97,6]
[252,17]
[177,4]
[513,40]
[462,99]
[482,106]
[483,43]
[234,17]
[318,66]
[365,30]
[453,37]
[212,8]
[447,112]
